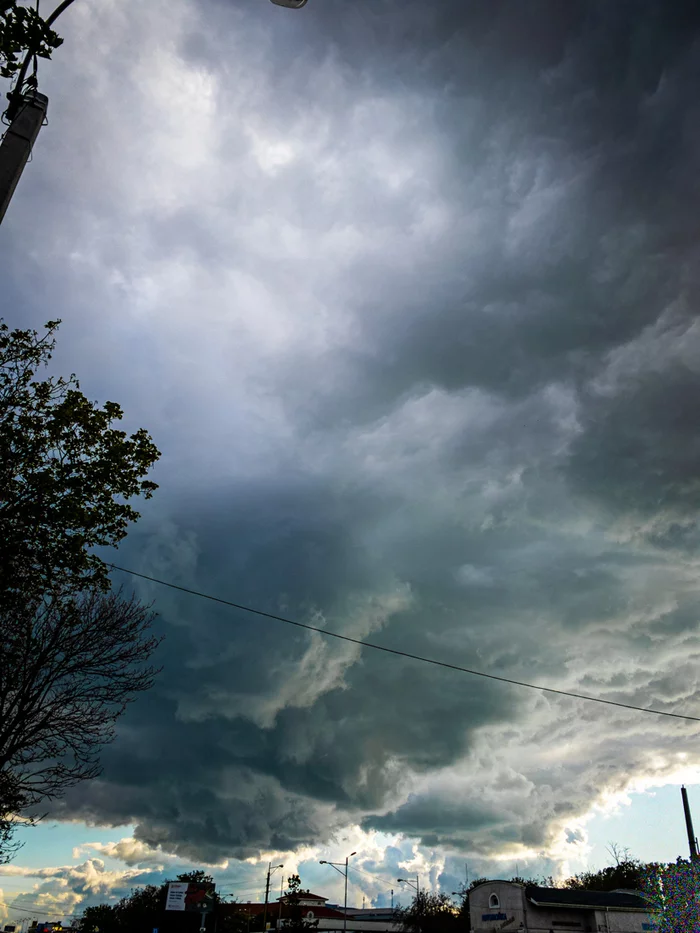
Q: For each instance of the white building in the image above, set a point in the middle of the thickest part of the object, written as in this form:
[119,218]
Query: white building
[517,908]
[331,918]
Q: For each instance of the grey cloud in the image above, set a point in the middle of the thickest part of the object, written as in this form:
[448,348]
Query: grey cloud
[406,294]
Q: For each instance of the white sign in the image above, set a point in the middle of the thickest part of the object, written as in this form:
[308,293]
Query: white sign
[177,891]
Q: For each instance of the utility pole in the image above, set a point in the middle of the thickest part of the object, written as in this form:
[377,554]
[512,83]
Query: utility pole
[279,919]
[17,144]
[267,895]
[27,111]
[345,909]
[270,869]
[692,841]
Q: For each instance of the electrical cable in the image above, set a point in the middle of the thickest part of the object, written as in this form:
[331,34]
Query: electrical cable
[36,907]
[380,881]
[405,654]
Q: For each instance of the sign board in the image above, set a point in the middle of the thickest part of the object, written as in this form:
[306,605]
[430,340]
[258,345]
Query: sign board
[190,895]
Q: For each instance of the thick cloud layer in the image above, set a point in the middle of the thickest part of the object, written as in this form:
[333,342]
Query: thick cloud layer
[406,293]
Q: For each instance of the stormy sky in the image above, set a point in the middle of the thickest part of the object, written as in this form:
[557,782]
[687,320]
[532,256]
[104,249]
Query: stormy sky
[405,293]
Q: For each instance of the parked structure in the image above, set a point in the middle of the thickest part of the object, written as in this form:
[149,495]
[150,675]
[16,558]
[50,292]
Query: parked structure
[517,908]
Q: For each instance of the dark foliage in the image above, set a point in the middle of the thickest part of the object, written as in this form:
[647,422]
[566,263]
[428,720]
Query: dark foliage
[69,665]
[23,30]
[293,914]
[143,910]
[66,475]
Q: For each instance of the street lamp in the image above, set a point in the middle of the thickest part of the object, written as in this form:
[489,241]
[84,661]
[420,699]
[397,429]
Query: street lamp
[414,884]
[338,865]
[26,113]
[15,97]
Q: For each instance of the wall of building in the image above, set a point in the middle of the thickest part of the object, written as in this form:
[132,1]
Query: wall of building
[358,926]
[510,911]
[622,922]
[560,920]
[515,910]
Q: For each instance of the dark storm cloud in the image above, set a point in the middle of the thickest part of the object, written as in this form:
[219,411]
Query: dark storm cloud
[406,294]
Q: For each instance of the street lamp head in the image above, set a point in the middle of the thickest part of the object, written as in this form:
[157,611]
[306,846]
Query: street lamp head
[291,4]
[400,880]
[351,854]
[323,862]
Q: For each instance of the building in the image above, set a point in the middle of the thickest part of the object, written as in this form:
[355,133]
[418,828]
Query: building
[506,905]
[313,907]
[327,917]
[363,920]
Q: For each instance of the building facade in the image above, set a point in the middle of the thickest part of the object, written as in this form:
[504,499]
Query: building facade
[315,909]
[517,908]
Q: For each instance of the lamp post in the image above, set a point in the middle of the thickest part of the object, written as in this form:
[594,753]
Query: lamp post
[270,873]
[339,865]
[414,884]
[279,917]
[26,112]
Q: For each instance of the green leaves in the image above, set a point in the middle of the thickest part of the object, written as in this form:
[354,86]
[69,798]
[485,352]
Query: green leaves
[22,30]
[672,891]
[66,473]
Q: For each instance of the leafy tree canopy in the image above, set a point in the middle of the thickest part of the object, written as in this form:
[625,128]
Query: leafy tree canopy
[66,474]
[72,655]
[431,913]
[23,30]
[626,872]
[293,918]
[673,892]
[143,910]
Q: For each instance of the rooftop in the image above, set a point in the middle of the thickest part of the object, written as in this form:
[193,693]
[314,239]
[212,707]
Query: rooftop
[562,897]
[306,896]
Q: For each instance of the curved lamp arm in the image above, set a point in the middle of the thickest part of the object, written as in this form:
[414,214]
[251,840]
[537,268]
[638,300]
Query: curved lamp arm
[15,97]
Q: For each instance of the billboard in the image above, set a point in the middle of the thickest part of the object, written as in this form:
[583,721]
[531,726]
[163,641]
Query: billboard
[190,895]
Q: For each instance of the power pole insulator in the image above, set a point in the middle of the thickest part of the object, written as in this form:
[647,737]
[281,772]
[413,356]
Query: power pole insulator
[17,144]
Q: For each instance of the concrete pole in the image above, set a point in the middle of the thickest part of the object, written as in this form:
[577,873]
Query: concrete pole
[267,895]
[692,841]
[17,145]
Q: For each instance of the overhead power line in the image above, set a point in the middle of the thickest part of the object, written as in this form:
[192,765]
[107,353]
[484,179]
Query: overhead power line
[36,908]
[404,654]
[381,882]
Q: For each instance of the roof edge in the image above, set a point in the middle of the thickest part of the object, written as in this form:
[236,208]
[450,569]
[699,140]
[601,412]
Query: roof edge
[626,909]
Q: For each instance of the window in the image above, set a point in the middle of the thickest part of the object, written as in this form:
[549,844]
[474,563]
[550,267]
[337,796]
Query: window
[493,901]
